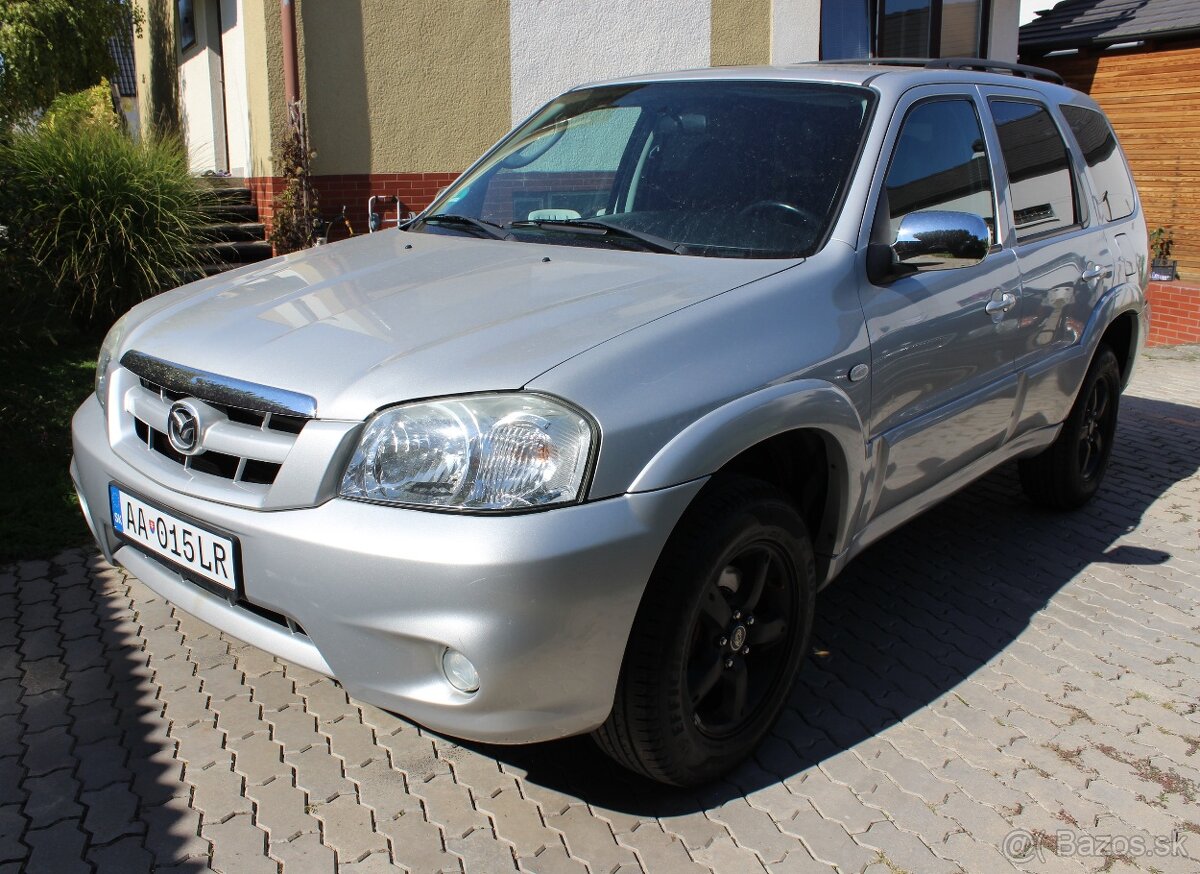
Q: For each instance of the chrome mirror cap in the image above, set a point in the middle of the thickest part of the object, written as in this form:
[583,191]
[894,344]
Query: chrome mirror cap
[941,240]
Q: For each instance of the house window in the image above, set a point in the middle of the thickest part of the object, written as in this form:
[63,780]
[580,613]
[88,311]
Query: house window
[187,24]
[845,29]
[904,28]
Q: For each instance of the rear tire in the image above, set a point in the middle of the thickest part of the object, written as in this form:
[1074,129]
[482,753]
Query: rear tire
[718,638]
[1067,474]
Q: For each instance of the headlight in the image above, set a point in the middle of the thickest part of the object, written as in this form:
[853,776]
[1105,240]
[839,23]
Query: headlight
[108,349]
[481,452]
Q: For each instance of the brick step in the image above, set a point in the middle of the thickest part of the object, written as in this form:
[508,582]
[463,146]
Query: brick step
[231,212]
[225,195]
[235,231]
[239,251]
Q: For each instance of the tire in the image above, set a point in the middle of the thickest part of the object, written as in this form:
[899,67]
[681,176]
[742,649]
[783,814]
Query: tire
[1067,473]
[718,638]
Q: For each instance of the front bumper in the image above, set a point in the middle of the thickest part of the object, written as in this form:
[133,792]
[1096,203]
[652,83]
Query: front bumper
[541,603]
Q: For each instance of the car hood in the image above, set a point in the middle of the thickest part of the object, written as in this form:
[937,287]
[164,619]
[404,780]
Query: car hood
[395,316]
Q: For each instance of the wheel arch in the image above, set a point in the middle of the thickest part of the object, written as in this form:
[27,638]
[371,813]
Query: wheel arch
[805,437]
[1122,336]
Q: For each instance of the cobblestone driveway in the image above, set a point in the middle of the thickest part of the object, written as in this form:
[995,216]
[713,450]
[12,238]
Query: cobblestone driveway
[988,668]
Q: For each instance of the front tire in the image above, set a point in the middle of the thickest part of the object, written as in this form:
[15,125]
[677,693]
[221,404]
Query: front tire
[1067,474]
[718,639]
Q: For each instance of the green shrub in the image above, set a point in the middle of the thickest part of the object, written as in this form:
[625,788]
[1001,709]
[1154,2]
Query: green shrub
[92,107]
[96,222]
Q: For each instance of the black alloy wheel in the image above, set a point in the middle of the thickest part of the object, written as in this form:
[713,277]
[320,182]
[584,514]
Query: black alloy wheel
[1068,473]
[746,612]
[718,638]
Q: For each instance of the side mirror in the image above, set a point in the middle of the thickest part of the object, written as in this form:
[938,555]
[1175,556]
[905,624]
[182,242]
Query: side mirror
[930,240]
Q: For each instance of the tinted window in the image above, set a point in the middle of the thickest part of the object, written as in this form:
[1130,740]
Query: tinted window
[1039,171]
[940,162]
[1114,189]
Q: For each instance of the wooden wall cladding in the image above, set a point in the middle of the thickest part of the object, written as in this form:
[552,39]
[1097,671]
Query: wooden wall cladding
[1152,97]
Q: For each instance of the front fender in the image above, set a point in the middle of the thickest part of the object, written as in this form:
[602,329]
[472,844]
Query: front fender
[707,444]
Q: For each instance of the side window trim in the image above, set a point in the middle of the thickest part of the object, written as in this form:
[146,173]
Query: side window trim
[1083,215]
[904,111]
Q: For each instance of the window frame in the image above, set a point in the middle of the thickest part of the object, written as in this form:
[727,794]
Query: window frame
[903,110]
[1083,215]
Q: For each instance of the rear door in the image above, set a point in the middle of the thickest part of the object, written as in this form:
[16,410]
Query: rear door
[942,382]
[1065,259]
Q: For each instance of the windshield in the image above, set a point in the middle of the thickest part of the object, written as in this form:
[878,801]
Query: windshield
[740,169]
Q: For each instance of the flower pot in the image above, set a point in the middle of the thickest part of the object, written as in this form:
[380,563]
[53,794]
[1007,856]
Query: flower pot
[1162,270]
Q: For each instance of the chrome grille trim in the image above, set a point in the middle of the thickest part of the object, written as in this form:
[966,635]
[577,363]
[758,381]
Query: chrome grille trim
[219,389]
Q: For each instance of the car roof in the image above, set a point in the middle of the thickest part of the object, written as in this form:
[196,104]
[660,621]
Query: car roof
[890,76]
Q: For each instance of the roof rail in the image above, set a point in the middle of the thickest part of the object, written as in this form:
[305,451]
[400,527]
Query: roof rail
[983,65]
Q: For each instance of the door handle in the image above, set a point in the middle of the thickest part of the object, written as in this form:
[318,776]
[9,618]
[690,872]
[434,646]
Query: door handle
[1000,305]
[1095,271]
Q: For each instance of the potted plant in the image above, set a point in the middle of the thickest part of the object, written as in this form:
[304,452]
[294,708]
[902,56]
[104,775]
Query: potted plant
[1162,268]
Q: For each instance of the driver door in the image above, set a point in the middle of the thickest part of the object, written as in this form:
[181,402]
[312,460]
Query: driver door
[942,342]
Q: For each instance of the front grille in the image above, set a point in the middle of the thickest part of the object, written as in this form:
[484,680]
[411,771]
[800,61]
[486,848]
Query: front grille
[149,402]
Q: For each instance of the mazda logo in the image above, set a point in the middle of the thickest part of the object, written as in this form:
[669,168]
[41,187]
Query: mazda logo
[183,428]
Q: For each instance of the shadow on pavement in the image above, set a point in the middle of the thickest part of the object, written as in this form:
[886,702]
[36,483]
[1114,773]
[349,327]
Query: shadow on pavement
[917,613]
[85,764]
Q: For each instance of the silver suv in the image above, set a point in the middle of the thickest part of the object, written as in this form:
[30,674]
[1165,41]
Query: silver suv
[575,450]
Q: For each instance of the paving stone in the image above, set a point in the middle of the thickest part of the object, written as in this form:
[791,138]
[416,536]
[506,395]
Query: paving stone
[755,830]
[827,841]
[238,847]
[348,827]
[657,850]
[12,826]
[173,832]
[481,853]
[58,848]
[52,797]
[905,850]
[259,759]
[110,814]
[304,855]
[553,860]
[47,751]
[126,856]
[590,838]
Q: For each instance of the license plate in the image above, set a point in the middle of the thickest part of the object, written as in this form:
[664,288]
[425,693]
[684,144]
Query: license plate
[198,552]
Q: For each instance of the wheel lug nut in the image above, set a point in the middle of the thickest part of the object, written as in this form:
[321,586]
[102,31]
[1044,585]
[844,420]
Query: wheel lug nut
[745,650]
[749,620]
[737,614]
[724,641]
[729,663]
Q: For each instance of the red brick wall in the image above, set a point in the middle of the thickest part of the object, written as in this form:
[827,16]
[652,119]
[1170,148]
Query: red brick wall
[415,191]
[1174,313]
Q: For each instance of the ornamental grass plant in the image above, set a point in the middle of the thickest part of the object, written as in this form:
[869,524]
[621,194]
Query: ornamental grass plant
[95,221]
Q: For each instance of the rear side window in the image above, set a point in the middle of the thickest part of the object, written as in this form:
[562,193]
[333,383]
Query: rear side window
[1110,178]
[1039,172]
[939,163]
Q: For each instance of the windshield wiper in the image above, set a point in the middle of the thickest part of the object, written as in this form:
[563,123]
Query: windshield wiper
[491,229]
[605,230]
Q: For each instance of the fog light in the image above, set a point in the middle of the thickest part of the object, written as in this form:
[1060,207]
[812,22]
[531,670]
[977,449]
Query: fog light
[459,671]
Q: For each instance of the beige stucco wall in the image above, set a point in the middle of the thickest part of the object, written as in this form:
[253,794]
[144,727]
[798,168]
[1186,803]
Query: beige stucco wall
[741,32]
[264,82]
[402,86]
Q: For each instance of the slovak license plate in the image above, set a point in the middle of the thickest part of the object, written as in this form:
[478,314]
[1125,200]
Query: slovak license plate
[199,553]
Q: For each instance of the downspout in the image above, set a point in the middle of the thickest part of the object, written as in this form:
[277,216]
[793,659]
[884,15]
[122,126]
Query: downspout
[291,65]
